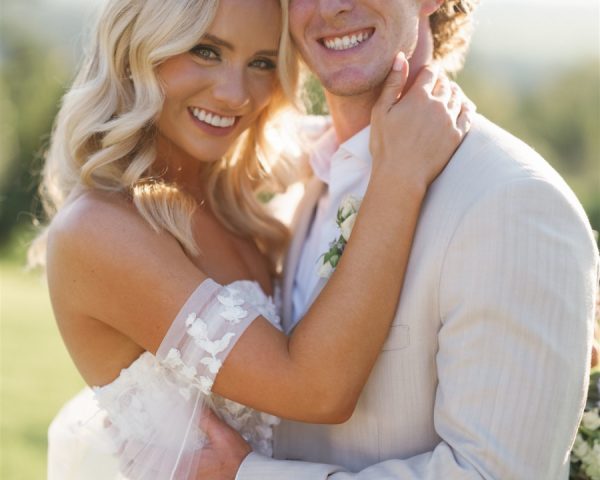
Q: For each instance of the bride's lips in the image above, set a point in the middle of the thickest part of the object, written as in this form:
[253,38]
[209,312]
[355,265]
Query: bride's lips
[213,123]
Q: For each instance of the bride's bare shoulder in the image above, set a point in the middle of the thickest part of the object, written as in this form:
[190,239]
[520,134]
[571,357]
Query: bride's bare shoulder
[100,239]
[93,213]
[97,221]
[105,261]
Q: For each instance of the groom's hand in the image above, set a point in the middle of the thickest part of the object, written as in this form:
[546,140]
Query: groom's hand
[225,451]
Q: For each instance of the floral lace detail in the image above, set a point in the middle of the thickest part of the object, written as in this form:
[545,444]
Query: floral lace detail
[227,306]
[198,330]
[132,402]
[233,311]
[173,361]
[155,401]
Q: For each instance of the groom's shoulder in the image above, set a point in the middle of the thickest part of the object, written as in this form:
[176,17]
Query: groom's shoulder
[492,164]
[489,150]
[491,157]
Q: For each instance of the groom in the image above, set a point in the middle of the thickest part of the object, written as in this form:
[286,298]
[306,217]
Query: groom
[484,371]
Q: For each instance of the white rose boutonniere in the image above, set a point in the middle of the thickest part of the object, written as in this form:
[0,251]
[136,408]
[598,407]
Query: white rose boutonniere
[346,218]
[347,226]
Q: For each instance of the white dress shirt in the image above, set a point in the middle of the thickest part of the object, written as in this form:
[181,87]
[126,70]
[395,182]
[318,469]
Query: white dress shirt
[345,169]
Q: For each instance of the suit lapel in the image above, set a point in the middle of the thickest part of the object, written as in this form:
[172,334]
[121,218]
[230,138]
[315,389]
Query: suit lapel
[300,225]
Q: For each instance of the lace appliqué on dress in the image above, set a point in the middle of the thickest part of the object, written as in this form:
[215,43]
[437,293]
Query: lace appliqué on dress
[153,408]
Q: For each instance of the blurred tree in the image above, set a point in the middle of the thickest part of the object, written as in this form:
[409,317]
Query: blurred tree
[31,82]
[314,96]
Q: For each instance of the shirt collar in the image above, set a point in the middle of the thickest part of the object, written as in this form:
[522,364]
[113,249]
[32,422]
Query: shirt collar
[323,151]
[358,146]
[328,148]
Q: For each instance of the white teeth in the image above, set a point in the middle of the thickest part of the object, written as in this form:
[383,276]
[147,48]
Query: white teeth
[346,42]
[213,119]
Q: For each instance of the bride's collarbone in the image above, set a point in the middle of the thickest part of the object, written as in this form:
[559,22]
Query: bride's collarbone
[226,257]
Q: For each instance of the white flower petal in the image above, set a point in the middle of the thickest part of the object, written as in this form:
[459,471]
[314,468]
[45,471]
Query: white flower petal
[591,420]
[230,301]
[188,372]
[173,359]
[325,270]
[216,346]
[234,314]
[191,318]
[206,385]
[350,204]
[213,364]
[199,329]
[580,448]
[347,226]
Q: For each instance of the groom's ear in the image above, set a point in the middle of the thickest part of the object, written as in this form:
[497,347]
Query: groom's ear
[429,7]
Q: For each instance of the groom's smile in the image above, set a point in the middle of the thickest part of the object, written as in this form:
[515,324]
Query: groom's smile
[346,41]
[350,45]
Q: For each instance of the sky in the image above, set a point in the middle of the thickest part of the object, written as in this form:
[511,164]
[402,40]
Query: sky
[529,32]
[545,27]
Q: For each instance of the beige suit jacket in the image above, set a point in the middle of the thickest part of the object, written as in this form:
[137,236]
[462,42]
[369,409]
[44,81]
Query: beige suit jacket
[484,372]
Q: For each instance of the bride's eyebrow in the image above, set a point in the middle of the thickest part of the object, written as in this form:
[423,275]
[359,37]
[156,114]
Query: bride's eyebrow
[225,44]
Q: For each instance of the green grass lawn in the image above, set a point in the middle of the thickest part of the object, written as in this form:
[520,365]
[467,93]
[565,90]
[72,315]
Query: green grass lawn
[36,373]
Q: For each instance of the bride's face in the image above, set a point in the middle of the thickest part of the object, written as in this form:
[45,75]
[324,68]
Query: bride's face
[215,91]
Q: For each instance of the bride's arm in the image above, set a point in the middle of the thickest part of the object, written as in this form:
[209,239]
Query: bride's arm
[110,266]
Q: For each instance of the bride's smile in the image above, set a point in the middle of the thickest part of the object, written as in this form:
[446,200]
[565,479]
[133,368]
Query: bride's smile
[221,86]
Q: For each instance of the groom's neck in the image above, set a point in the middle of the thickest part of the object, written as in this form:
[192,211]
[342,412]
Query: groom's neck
[350,114]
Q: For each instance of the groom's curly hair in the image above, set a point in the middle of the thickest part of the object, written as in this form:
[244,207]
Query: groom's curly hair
[452,26]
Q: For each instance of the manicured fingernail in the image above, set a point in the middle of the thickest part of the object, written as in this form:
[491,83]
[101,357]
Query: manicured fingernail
[399,62]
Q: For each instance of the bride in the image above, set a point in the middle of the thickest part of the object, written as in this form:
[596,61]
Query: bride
[162,262]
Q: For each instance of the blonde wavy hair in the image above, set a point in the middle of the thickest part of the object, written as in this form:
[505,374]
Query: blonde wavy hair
[104,134]
[452,27]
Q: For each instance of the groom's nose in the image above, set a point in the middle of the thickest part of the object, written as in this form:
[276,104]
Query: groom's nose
[331,9]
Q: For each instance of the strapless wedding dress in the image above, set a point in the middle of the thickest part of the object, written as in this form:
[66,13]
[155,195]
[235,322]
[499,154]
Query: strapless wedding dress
[144,424]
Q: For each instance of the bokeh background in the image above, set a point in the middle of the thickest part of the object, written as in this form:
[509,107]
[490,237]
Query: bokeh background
[534,69]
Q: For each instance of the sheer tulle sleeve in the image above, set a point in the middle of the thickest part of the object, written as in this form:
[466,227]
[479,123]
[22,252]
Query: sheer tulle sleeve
[154,407]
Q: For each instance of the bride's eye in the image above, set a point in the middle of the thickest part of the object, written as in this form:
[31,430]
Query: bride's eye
[205,52]
[263,64]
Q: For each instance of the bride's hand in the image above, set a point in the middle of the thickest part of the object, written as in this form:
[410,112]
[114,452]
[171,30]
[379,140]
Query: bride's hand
[415,133]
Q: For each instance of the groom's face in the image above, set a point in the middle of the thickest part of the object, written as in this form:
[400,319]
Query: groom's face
[350,45]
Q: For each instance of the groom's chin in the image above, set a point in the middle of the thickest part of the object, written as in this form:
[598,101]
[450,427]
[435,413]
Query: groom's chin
[352,82]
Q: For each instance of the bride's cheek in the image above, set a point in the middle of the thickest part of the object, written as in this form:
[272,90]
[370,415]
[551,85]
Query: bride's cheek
[263,90]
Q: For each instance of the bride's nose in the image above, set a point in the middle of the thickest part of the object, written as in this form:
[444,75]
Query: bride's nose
[231,89]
